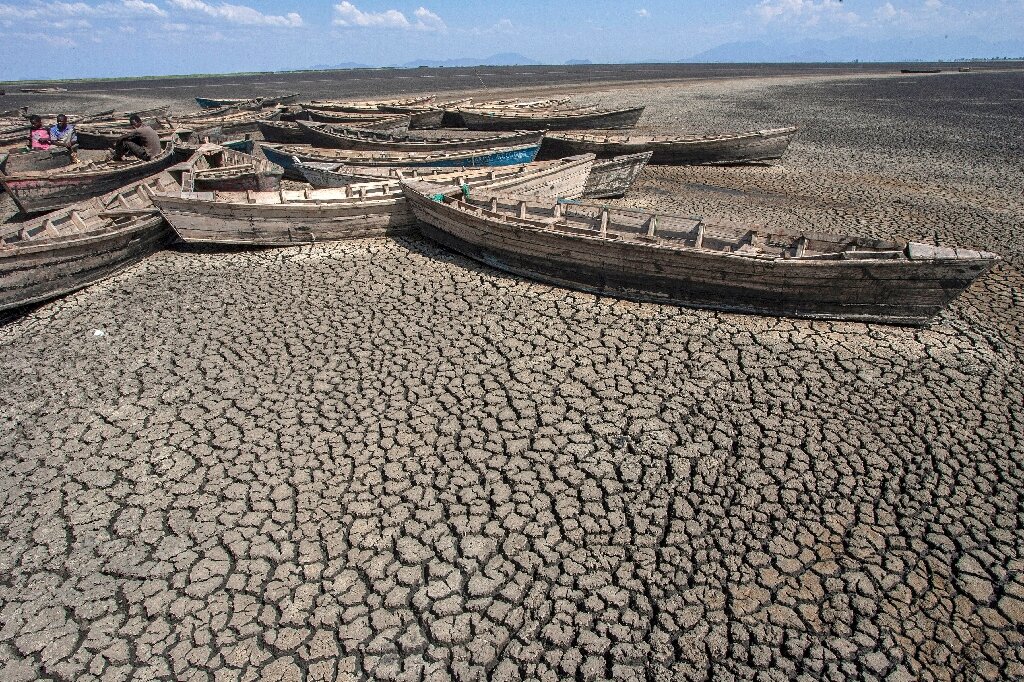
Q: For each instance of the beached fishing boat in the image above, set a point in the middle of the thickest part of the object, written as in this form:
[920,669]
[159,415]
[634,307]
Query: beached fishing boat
[425,116]
[551,119]
[612,178]
[338,137]
[214,103]
[284,132]
[684,260]
[379,119]
[25,161]
[77,246]
[43,91]
[286,156]
[355,211]
[53,189]
[570,175]
[234,123]
[365,106]
[217,168]
[920,70]
[745,147]
[453,119]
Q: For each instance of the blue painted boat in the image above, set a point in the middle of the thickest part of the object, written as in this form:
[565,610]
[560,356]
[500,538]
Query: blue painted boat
[286,155]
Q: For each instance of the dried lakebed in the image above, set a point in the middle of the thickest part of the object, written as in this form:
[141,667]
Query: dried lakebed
[381,460]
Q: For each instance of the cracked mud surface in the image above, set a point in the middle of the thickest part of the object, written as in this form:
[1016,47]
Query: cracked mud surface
[381,460]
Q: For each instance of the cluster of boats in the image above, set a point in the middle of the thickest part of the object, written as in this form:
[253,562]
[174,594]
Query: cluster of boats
[511,188]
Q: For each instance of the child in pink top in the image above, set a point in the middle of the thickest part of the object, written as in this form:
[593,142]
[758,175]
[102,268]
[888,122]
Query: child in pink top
[38,137]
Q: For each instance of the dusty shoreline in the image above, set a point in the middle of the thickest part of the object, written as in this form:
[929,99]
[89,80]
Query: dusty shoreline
[378,459]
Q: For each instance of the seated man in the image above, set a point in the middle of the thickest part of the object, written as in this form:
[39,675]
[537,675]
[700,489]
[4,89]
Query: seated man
[62,133]
[142,143]
[38,136]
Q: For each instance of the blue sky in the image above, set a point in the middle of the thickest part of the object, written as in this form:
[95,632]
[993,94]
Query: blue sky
[91,38]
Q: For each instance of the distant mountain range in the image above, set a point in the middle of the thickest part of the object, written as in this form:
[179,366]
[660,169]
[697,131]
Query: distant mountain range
[850,49]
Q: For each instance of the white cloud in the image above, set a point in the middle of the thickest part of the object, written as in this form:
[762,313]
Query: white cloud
[642,12]
[807,12]
[125,9]
[239,14]
[347,14]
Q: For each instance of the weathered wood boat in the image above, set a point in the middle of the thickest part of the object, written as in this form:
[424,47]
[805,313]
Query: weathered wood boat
[53,189]
[69,249]
[43,91]
[745,147]
[365,106]
[216,168]
[612,178]
[284,132]
[214,103]
[425,116]
[920,70]
[564,178]
[287,155]
[279,100]
[380,120]
[356,211]
[103,136]
[338,137]
[555,119]
[453,119]
[234,123]
[30,161]
[639,255]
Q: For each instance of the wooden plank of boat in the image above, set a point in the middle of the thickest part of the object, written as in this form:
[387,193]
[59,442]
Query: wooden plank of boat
[366,106]
[286,156]
[69,249]
[53,189]
[289,217]
[684,260]
[214,167]
[744,147]
[29,161]
[613,177]
[338,137]
[550,120]
[570,184]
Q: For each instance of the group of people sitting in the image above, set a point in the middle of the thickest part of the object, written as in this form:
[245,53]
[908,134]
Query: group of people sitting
[142,142]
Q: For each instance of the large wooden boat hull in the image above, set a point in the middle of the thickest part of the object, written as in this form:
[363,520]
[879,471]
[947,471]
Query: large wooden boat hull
[36,193]
[389,123]
[330,137]
[218,168]
[282,132]
[39,271]
[508,156]
[364,107]
[212,103]
[908,292]
[747,147]
[555,120]
[612,178]
[199,217]
[424,117]
[36,160]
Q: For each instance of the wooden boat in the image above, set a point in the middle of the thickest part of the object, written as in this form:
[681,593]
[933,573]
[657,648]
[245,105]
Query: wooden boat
[215,103]
[337,137]
[570,175]
[43,91]
[559,119]
[365,106]
[360,119]
[612,178]
[216,168]
[279,100]
[920,70]
[30,161]
[639,255]
[101,136]
[284,132]
[453,119]
[53,189]
[746,147]
[79,245]
[425,116]
[356,211]
[287,155]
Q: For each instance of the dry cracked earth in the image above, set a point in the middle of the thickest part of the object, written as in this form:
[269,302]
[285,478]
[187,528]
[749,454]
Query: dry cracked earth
[379,460]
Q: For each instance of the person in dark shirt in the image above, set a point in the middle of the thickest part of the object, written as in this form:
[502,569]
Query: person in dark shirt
[63,133]
[142,143]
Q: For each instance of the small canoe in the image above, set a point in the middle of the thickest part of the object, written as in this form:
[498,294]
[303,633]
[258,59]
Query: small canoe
[920,70]
[360,119]
[217,168]
[286,156]
[214,103]
[25,161]
[365,106]
[79,245]
[284,132]
[555,119]
[43,91]
[453,119]
[565,178]
[745,147]
[640,255]
[289,217]
[611,178]
[338,137]
[278,100]
[53,189]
